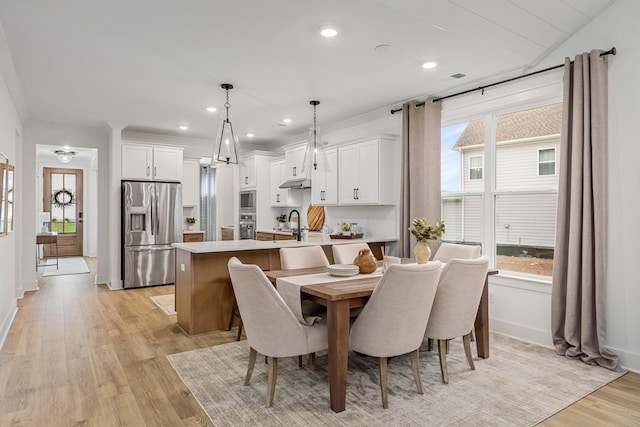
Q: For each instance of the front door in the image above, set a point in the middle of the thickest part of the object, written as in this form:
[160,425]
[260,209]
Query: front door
[63,199]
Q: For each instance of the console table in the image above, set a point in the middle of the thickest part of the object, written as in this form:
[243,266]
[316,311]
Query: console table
[49,238]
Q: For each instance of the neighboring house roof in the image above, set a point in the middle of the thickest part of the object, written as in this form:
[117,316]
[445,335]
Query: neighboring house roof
[531,123]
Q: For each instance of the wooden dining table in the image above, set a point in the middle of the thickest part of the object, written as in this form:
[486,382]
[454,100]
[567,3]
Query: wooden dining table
[341,296]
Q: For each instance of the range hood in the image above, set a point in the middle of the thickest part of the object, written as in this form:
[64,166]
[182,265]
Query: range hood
[297,183]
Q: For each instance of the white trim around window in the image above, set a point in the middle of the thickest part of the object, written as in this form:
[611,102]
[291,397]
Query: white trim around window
[476,171]
[544,164]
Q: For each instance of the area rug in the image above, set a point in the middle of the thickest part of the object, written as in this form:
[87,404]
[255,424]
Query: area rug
[66,265]
[166,303]
[519,385]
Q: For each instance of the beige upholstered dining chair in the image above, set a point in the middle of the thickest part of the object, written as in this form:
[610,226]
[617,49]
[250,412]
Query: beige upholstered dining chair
[393,322]
[345,254]
[271,328]
[304,257]
[448,251]
[456,305]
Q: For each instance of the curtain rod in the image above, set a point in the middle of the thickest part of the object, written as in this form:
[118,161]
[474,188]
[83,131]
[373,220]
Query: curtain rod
[611,51]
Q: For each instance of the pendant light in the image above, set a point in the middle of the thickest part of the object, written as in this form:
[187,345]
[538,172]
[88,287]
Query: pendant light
[315,149]
[226,145]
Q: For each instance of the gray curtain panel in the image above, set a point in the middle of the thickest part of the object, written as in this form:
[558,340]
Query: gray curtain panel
[208,202]
[579,265]
[420,169]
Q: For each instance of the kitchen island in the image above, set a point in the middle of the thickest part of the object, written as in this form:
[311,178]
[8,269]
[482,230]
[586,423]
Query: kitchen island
[204,295]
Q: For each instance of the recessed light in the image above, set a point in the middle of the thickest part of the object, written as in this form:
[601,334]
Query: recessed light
[328,32]
[250,135]
[211,109]
[183,127]
[287,121]
[429,64]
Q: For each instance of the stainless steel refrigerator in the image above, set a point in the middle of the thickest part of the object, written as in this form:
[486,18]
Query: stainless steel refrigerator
[151,222]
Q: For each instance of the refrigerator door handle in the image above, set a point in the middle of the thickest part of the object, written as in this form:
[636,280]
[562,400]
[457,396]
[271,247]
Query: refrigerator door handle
[150,249]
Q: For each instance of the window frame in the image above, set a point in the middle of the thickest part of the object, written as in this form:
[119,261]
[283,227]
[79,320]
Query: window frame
[554,161]
[472,168]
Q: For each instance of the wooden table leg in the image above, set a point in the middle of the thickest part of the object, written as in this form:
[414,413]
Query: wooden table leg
[338,330]
[482,323]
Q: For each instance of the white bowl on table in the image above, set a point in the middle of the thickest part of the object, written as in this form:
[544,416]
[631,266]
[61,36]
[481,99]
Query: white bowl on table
[343,270]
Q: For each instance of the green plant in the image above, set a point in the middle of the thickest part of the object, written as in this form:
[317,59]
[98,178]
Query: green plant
[346,226]
[191,220]
[282,218]
[423,231]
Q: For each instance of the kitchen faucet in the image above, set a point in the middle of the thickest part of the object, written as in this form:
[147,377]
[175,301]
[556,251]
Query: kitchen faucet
[298,213]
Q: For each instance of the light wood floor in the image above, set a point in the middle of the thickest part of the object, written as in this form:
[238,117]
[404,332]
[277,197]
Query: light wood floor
[80,354]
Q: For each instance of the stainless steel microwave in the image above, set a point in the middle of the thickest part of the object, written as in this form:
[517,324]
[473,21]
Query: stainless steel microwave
[248,201]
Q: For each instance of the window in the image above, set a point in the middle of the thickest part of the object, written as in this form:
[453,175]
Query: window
[475,167]
[511,213]
[547,161]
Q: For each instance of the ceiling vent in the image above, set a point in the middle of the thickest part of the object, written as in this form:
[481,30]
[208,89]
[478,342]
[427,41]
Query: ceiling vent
[457,75]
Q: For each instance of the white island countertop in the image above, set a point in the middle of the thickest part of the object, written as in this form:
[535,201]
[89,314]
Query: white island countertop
[251,245]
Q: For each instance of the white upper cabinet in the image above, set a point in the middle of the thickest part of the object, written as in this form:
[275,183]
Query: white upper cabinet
[144,162]
[324,179]
[191,183]
[294,159]
[248,172]
[368,172]
[281,197]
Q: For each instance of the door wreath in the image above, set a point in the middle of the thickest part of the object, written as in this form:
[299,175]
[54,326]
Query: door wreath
[63,198]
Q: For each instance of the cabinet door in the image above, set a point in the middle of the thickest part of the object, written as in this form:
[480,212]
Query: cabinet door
[248,172]
[294,159]
[324,182]
[349,165]
[136,162]
[190,183]
[275,179]
[167,164]
[367,189]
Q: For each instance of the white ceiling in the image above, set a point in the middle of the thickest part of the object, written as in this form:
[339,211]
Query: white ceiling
[156,64]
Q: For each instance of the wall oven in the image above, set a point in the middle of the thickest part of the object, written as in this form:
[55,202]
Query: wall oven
[247,226]
[248,201]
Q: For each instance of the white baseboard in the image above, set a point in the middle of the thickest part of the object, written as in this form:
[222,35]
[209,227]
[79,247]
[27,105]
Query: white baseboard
[522,332]
[628,359]
[30,286]
[115,285]
[19,293]
[6,325]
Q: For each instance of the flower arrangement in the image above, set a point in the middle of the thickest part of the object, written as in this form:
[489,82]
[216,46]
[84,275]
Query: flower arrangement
[191,220]
[345,226]
[423,231]
[282,218]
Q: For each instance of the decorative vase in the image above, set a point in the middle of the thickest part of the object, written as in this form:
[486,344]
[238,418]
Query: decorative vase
[422,252]
[190,227]
[366,262]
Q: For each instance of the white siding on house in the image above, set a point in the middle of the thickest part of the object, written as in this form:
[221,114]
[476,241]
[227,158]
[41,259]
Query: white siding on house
[517,167]
[463,219]
[526,219]
[472,184]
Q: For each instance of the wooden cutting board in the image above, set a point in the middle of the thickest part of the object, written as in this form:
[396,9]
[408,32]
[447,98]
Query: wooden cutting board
[315,217]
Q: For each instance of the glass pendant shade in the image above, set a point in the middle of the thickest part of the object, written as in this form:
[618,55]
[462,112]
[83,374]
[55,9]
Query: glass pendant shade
[226,147]
[314,155]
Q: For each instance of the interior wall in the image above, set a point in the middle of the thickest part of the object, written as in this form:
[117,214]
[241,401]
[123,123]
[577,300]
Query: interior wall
[10,130]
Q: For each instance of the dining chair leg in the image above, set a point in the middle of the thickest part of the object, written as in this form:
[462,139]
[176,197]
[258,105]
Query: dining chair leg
[415,364]
[429,344]
[233,313]
[312,361]
[383,382]
[447,341]
[252,361]
[271,380]
[239,329]
[466,341]
[442,353]
[300,361]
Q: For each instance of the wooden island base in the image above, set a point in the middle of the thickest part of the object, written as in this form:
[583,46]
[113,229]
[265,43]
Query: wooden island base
[204,295]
